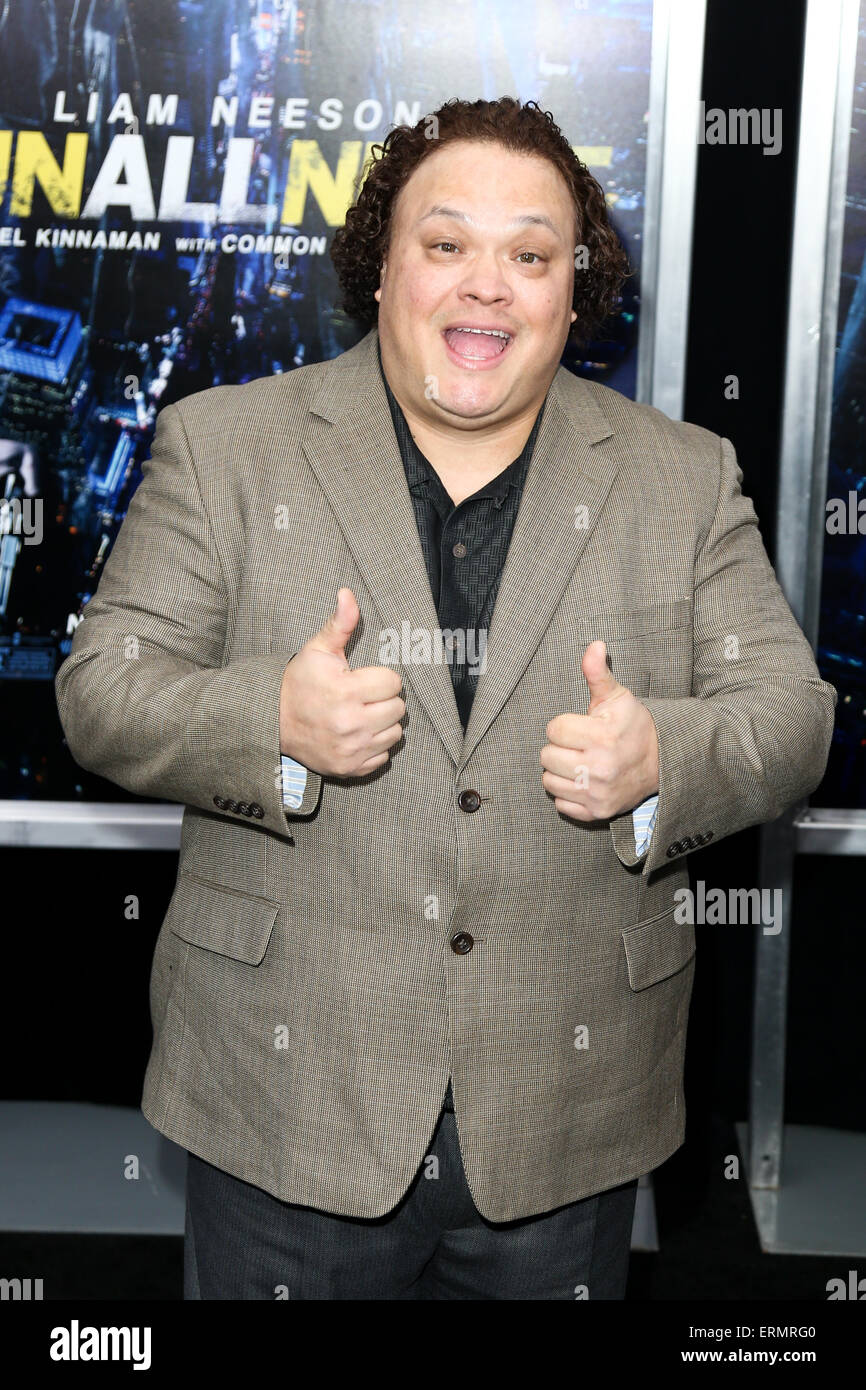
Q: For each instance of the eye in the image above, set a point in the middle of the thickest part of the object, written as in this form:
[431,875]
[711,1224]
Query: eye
[534,254]
[444,243]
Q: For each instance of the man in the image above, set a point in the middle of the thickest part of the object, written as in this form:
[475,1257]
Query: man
[559,661]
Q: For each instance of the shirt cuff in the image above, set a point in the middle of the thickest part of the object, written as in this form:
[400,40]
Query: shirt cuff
[644,818]
[294,782]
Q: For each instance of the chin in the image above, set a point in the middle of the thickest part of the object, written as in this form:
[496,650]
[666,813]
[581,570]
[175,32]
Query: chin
[471,402]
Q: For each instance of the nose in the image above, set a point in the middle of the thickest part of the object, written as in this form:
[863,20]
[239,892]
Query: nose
[485,281]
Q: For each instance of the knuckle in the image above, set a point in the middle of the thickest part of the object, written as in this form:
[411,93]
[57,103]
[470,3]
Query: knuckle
[604,770]
[343,724]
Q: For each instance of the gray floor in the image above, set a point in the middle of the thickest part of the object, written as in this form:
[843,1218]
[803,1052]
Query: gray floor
[62,1169]
[63,1165]
[820,1207]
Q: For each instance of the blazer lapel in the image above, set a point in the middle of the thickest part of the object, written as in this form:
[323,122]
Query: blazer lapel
[357,461]
[565,489]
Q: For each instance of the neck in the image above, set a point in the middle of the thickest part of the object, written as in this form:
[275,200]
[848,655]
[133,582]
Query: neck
[475,452]
[463,459]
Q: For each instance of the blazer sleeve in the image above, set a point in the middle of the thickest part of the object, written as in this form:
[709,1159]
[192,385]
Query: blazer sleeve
[144,697]
[754,736]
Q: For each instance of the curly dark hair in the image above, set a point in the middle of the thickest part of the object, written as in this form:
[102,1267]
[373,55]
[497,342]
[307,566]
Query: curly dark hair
[359,247]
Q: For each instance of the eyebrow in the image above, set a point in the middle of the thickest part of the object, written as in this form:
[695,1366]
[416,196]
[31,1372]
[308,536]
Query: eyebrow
[526,219]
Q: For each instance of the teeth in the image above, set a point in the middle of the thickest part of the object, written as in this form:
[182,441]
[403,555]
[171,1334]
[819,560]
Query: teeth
[490,332]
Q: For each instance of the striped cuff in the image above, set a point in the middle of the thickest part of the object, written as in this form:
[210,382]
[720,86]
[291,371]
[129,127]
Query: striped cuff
[644,817]
[294,782]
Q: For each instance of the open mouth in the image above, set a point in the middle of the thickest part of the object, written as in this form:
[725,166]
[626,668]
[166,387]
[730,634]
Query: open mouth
[477,345]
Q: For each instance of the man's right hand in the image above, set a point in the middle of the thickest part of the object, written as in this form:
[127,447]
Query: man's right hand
[335,720]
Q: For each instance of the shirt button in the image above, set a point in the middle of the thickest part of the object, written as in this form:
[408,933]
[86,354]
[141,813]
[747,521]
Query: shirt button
[462,943]
[459,550]
[469,800]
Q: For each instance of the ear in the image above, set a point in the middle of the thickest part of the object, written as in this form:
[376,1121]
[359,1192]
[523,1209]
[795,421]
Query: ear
[377,294]
[573,315]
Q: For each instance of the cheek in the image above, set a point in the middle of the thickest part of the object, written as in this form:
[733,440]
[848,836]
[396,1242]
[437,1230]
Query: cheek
[414,292]
[418,295]
[545,302]
[553,309]
[557,301]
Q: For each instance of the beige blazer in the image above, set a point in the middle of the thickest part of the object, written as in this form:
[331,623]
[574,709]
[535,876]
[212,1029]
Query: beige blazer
[307,1002]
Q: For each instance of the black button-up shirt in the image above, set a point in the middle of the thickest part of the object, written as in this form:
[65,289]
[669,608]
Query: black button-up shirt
[464,547]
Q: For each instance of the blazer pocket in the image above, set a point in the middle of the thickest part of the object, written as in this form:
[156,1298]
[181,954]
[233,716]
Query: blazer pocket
[623,625]
[657,948]
[223,920]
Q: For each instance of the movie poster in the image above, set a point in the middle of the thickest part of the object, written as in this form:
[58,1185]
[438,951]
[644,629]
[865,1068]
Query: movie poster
[841,650]
[172,173]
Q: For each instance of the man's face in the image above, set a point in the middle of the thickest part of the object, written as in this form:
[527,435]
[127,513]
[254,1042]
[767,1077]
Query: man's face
[481,238]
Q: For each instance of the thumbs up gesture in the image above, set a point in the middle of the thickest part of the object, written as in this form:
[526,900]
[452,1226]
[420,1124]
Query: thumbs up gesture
[335,720]
[605,762]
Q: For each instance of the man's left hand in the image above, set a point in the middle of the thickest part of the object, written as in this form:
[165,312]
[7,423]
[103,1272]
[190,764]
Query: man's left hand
[607,761]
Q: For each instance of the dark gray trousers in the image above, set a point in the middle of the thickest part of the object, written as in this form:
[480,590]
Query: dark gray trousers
[242,1243]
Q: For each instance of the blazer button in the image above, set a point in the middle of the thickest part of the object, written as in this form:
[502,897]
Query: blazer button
[469,800]
[706,837]
[256,810]
[232,806]
[462,943]
[220,803]
[674,849]
[243,808]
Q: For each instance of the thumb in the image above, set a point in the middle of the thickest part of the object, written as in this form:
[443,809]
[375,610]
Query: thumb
[340,625]
[599,678]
